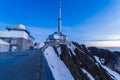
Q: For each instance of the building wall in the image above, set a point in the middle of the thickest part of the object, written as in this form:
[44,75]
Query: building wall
[53,36]
[4,48]
[19,44]
[15,34]
[26,44]
[18,40]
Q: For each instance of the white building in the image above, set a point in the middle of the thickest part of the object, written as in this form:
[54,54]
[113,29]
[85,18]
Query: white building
[57,36]
[4,46]
[18,37]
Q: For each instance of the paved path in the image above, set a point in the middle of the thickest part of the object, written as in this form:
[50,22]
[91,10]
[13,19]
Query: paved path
[29,65]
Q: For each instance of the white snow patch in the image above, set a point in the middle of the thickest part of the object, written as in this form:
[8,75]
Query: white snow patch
[88,74]
[88,50]
[41,45]
[59,50]
[115,74]
[79,49]
[58,68]
[3,42]
[72,47]
[80,62]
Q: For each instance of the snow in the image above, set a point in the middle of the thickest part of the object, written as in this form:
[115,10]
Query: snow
[59,50]
[79,49]
[88,74]
[41,45]
[72,47]
[57,66]
[115,74]
[3,42]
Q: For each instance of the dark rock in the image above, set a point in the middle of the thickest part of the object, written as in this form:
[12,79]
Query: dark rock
[84,59]
[112,59]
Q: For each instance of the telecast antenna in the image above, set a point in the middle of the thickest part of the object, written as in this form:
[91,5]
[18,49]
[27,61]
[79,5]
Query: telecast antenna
[59,18]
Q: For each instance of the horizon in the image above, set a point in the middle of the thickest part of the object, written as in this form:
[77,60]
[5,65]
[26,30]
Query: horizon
[91,20]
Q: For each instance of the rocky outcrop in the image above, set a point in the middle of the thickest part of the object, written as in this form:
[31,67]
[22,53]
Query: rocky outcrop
[111,59]
[81,62]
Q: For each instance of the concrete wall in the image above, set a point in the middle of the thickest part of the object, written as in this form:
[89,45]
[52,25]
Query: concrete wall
[26,44]
[4,48]
[21,44]
[15,34]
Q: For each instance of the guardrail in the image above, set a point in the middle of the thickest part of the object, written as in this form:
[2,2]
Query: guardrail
[46,73]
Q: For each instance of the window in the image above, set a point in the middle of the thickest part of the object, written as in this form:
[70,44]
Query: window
[14,41]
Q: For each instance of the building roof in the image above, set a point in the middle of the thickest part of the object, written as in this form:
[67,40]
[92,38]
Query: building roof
[19,31]
[13,34]
[20,26]
[3,42]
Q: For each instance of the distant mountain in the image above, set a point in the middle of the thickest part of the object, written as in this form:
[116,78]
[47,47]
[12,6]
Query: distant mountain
[111,59]
[72,61]
[112,48]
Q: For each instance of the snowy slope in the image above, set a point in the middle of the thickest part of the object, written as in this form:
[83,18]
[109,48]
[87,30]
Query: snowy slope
[88,74]
[115,74]
[72,61]
[58,68]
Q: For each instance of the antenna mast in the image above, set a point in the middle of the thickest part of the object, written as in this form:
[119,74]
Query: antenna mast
[59,18]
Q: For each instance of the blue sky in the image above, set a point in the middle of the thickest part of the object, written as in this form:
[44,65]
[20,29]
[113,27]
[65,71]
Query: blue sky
[82,20]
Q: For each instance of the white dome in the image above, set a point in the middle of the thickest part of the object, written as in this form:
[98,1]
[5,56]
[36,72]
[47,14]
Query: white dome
[20,26]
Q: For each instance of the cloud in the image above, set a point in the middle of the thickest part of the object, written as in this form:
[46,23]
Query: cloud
[104,25]
[104,44]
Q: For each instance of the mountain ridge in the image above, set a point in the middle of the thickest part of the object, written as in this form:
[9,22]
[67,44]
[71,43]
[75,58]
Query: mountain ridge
[80,62]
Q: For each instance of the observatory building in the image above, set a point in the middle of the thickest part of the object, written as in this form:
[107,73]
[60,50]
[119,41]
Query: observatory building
[19,38]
